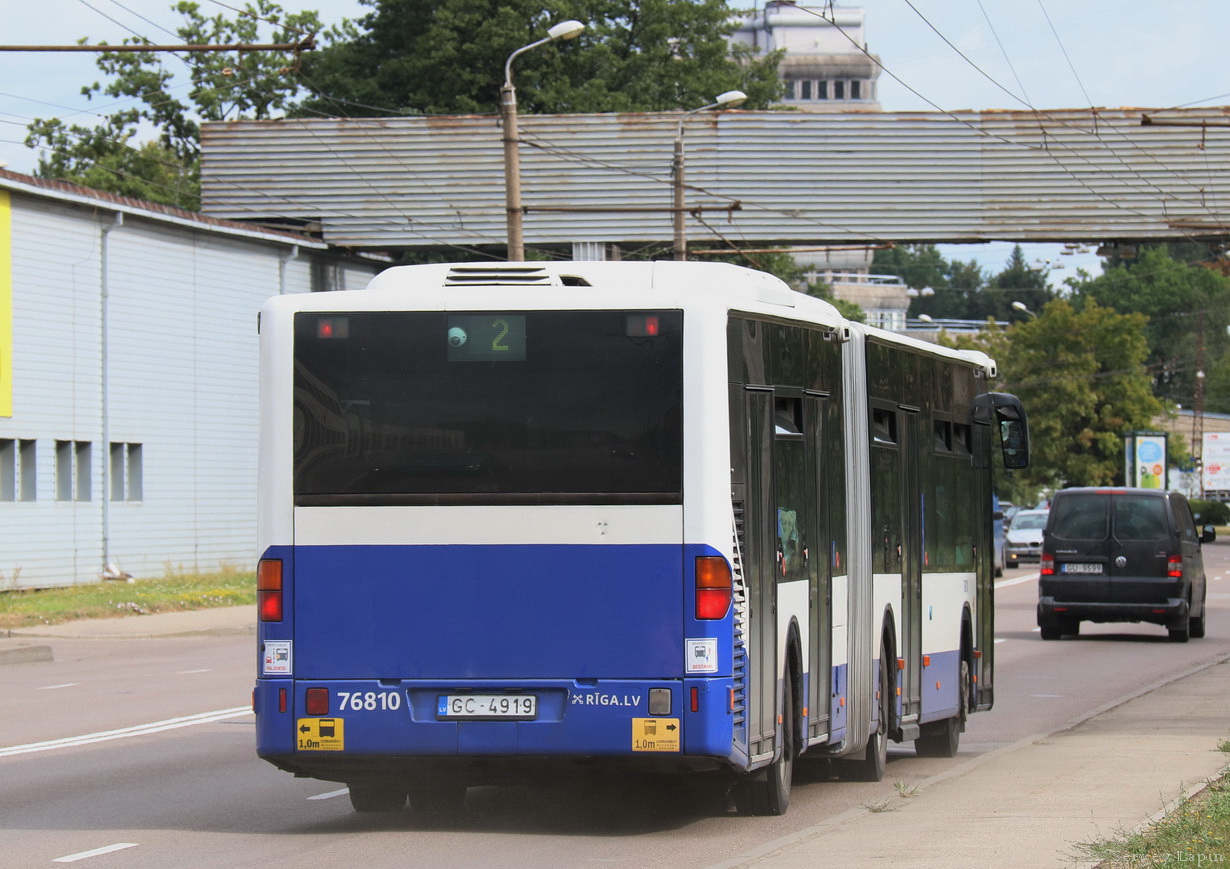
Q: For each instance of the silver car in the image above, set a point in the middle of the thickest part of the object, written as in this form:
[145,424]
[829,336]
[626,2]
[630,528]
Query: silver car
[1023,539]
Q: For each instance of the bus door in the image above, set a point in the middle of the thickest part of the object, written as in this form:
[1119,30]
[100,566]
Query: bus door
[911,564]
[897,536]
[820,495]
[759,561]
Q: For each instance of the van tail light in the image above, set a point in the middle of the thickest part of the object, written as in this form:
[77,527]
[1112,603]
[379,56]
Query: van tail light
[1046,566]
[1174,566]
[269,589]
[714,590]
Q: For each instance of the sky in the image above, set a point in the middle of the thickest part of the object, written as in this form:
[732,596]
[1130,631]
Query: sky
[936,54]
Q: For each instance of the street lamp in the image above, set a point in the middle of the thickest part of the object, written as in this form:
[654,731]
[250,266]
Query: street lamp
[1020,306]
[729,99]
[512,159]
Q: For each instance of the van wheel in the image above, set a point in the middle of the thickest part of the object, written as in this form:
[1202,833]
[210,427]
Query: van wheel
[1050,632]
[1181,633]
[1196,623]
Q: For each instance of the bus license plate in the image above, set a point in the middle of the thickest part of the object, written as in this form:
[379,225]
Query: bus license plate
[487,706]
[1080,568]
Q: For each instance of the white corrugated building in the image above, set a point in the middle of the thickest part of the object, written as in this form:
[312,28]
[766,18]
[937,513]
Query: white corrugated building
[128,379]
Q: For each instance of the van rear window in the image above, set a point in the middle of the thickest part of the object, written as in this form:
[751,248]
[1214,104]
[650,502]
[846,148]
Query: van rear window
[1080,517]
[1098,515]
[1139,517]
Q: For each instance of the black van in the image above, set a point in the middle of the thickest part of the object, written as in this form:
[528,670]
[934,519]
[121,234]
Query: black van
[1122,555]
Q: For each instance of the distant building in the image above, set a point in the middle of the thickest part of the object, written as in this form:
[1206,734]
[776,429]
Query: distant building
[826,67]
[128,380]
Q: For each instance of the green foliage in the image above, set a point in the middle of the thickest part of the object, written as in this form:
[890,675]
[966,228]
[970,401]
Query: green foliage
[221,86]
[960,290]
[177,590]
[448,56]
[1196,833]
[1210,512]
[1181,302]
[1081,377]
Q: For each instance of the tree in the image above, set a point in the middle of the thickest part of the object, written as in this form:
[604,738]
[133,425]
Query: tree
[224,86]
[1018,282]
[1186,305]
[1080,375]
[447,56]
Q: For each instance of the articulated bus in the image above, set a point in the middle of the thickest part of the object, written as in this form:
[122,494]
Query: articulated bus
[662,517]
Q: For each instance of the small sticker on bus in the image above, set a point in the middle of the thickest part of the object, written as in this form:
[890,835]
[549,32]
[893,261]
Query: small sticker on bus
[655,734]
[320,734]
[701,656]
[276,658]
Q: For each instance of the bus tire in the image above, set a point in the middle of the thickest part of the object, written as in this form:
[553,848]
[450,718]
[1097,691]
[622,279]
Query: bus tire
[943,738]
[767,791]
[437,796]
[870,767]
[379,797]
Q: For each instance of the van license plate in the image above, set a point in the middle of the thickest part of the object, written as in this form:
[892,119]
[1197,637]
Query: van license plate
[1080,568]
[524,706]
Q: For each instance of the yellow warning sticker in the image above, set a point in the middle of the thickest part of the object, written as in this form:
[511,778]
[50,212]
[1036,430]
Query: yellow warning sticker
[320,734]
[655,734]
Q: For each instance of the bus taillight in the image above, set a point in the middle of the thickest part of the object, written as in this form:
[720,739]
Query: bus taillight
[713,587]
[269,589]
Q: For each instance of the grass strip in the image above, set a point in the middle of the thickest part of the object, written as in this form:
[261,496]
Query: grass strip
[176,590]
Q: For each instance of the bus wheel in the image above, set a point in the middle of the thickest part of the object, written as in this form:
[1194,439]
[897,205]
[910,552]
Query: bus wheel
[437,796]
[767,791]
[870,767]
[366,797]
[941,738]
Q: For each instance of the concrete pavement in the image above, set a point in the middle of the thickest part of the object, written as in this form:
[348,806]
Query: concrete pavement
[1024,805]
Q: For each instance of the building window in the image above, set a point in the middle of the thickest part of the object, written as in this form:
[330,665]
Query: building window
[17,479]
[839,90]
[856,90]
[822,90]
[72,470]
[805,90]
[127,472]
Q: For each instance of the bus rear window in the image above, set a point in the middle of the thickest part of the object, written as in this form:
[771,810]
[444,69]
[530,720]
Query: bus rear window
[534,407]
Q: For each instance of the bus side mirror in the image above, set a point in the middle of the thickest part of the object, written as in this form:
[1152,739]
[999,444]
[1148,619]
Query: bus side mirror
[1008,413]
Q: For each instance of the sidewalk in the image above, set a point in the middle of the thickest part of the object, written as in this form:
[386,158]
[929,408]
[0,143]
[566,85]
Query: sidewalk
[25,645]
[1029,804]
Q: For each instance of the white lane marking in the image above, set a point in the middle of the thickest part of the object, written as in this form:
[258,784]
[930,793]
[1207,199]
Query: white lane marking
[54,687]
[190,672]
[1000,640]
[331,794]
[1004,583]
[124,732]
[97,852]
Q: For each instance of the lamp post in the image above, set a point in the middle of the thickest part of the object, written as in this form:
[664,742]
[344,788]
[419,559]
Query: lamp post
[729,99]
[1020,306]
[512,159]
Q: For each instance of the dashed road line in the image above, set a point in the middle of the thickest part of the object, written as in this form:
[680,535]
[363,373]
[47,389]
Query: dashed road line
[331,794]
[97,852]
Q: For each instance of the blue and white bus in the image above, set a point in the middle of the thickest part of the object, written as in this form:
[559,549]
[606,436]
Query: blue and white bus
[663,516]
